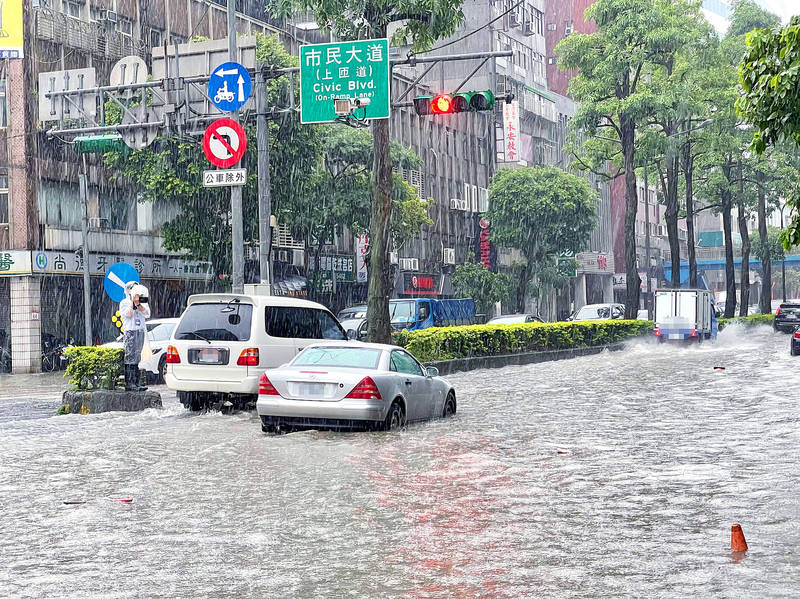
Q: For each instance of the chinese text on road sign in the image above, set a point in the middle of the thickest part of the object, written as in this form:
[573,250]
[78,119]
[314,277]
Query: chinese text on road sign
[356,69]
[226,178]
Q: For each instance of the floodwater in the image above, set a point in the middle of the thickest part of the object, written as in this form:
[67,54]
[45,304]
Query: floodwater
[616,475]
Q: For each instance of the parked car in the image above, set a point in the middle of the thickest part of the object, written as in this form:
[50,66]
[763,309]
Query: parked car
[514,319]
[358,326]
[787,316]
[224,341]
[159,331]
[600,312]
[794,344]
[359,311]
[352,385]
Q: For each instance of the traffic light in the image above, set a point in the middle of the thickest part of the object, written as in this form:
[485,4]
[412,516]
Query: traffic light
[450,103]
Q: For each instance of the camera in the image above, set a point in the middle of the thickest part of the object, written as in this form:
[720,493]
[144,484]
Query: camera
[142,299]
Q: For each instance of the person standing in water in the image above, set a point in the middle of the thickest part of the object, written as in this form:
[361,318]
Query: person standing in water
[134,310]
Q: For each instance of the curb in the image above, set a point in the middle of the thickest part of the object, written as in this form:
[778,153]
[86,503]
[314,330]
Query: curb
[466,364]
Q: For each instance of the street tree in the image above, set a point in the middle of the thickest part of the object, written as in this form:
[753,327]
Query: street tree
[421,23]
[339,194]
[541,211]
[686,41]
[611,89]
[769,74]
[481,284]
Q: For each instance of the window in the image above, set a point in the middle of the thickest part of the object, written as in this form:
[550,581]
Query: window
[156,37]
[404,363]
[3,105]
[347,357]
[125,26]
[301,323]
[160,332]
[216,322]
[424,311]
[73,8]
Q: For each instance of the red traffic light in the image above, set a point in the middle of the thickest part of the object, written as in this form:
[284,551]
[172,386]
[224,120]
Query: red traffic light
[442,104]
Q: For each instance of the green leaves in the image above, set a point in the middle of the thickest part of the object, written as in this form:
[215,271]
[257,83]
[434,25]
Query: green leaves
[541,210]
[481,284]
[492,340]
[92,367]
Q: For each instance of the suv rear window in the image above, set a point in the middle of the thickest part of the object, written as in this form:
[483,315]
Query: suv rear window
[301,323]
[216,322]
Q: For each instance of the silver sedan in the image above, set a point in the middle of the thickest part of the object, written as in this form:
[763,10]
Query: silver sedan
[352,385]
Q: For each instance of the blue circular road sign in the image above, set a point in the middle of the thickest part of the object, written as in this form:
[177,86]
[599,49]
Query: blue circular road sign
[230,86]
[116,277]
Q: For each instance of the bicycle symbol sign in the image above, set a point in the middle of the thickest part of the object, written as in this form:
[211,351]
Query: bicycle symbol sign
[230,86]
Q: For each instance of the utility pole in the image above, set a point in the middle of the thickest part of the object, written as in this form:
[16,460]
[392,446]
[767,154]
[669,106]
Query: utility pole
[783,260]
[237,234]
[264,198]
[83,183]
[647,243]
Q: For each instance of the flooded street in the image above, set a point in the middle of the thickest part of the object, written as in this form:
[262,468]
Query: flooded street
[615,475]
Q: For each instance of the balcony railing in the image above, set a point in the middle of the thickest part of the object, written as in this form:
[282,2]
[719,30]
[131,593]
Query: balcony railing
[89,36]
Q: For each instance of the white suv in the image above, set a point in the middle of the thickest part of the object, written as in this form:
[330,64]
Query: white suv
[224,342]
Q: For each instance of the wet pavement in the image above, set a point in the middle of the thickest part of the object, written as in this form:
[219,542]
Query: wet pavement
[615,475]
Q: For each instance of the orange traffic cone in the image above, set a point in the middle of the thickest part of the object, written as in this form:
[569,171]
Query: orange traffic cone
[737,538]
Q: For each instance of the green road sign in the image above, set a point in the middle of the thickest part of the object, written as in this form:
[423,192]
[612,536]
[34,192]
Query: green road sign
[344,71]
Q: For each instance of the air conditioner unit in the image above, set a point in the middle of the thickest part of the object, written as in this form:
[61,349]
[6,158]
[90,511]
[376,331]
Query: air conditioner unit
[551,60]
[282,256]
[527,28]
[392,257]
[111,16]
[473,198]
[551,27]
[449,255]
[298,258]
[514,20]
[409,263]
[568,29]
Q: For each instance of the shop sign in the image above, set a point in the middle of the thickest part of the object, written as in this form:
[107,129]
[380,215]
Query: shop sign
[485,245]
[421,284]
[71,263]
[362,245]
[330,265]
[594,263]
[15,262]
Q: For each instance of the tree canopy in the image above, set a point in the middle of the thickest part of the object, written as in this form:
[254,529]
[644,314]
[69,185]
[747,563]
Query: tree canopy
[541,211]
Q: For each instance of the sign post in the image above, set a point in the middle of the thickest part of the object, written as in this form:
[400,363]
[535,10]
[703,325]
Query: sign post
[344,71]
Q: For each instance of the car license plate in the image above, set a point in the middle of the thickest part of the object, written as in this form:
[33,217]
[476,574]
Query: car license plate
[791,316]
[208,356]
[675,336]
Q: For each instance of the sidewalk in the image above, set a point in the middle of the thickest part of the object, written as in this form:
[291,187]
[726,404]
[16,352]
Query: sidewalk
[47,385]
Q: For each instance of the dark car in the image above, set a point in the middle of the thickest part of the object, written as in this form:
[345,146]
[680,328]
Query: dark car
[794,347]
[787,317]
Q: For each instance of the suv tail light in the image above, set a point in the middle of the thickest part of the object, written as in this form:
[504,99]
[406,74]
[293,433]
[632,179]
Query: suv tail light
[265,387]
[693,334]
[172,355]
[248,357]
[778,311]
[657,332]
[366,389]
[796,334]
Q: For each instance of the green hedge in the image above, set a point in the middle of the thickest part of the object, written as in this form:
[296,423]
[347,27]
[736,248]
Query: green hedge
[92,367]
[750,321]
[491,340]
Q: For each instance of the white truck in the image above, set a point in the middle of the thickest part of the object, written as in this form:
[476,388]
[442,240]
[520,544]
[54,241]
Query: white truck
[685,314]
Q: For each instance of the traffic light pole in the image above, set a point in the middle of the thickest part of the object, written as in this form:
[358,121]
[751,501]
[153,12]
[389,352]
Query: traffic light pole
[87,296]
[264,198]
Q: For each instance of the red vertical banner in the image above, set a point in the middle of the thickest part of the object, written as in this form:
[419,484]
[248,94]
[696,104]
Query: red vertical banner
[486,248]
